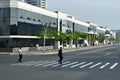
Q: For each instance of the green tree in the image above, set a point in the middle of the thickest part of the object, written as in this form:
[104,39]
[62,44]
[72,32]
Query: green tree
[76,36]
[112,39]
[69,38]
[118,39]
[100,38]
[84,35]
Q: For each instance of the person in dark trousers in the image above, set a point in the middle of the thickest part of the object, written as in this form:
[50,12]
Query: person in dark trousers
[60,55]
[20,54]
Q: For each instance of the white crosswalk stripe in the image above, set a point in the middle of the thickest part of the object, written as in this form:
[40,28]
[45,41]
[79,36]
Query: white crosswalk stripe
[104,65]
[95,65]
[50,64]
[60,64]
[20,64]
[69,64]
[114,65]
[44,63]
[86,65]
[77,64]
[34,63]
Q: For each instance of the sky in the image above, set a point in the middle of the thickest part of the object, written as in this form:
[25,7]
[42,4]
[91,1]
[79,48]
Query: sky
[104,13]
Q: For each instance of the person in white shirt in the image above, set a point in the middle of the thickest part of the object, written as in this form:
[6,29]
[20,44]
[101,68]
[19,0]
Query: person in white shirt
[20,54]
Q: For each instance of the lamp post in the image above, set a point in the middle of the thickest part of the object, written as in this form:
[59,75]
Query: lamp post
[44,41]
[45,37]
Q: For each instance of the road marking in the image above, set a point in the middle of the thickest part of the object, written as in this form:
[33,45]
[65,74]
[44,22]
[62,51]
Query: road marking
[107,54]
[66,64]
[104,65]
[113,66]
[69,64]
[44,63]
[61,64]
[96,65]
[50,64]
[77,64]
[34,63]
[86,65]
[16,64]
[23,63]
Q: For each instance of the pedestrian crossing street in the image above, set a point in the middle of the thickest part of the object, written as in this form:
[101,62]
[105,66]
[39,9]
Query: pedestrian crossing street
[70,64]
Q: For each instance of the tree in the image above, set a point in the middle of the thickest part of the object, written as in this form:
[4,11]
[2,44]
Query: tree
[76,36]
[112,39]
[62,37]
[100,38]
[118,39]
[69,38]
[48,34]
[84,35]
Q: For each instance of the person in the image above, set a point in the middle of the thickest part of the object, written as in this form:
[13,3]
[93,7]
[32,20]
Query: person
[20,54]
[60,55]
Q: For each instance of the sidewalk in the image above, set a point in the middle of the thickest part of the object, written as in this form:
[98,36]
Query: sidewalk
[54,51]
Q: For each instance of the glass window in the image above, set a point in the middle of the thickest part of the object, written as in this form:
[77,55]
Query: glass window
[14,12]
[80,28]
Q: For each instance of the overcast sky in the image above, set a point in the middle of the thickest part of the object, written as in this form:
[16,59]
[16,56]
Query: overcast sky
[102,12]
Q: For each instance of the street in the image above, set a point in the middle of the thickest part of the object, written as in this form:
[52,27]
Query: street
[90,64]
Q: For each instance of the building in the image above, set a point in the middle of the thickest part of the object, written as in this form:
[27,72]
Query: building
[22,23]
[22,0]
[39,3]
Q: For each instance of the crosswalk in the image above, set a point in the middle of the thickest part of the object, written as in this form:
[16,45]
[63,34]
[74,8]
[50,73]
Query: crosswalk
[70,64]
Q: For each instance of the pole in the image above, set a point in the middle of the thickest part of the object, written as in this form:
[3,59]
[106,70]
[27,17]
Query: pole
[44,44]
[44,40]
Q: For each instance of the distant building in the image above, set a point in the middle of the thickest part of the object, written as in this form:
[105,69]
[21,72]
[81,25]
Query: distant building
[39,3]
[22,0]
[22,23]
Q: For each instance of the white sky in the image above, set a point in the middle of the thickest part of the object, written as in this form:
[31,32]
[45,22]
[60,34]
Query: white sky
[102,12]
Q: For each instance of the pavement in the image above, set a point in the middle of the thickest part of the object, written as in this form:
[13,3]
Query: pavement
[54,51]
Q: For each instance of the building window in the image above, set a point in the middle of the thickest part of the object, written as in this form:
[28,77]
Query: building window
[28,18]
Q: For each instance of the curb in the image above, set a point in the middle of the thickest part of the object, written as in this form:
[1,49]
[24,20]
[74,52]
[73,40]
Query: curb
[64,50]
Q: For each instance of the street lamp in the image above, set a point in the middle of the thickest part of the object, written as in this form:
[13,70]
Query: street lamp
[47,26]
[45,36]
[44,41]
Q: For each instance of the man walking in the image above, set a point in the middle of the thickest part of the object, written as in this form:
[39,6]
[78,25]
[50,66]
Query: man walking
[60,55]
[20,54]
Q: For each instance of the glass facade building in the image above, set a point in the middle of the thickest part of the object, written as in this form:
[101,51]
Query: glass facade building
[39,3]
[22,23]
[20,27]
[80,28]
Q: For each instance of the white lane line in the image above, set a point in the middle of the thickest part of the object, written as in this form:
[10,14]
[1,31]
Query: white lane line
[77,64]
[50,64]
[69,64]
[47,62]
[86,65]
[107,54]
[104,65]
[96,65]
[114,65]
[61,64]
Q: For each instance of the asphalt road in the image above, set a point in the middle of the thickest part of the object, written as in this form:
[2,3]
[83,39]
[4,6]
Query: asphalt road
[93,64]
